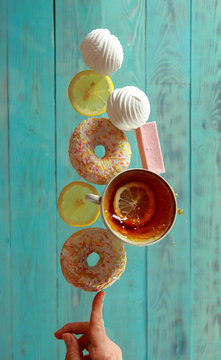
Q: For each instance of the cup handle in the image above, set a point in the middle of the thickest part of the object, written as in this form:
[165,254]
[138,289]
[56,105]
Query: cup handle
[93,198]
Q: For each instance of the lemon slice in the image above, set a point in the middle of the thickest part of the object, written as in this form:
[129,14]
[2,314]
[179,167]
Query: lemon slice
[134,203]
[72,206]
[88,92]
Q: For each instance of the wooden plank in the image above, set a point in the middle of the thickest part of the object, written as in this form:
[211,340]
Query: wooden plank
[125,303]
[73,21]
[32,178]
[5,273]
[206,180]
[167,80]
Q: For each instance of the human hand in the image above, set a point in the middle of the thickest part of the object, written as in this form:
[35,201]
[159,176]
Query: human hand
[94,338]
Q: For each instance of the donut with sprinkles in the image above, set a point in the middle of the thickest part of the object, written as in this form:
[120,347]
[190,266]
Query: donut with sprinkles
[74,254]
[91,133]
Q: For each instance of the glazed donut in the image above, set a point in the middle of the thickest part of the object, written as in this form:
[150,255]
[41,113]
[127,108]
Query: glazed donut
[74,255]
[91,133]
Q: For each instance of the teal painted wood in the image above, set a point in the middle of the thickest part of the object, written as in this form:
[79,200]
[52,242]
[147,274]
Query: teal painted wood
[125,303]
[74,19]
[167,303]
[206,181]
[167,83]
[32,178]
[5,271]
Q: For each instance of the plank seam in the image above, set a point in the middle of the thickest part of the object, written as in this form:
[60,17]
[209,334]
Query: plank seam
[9,192]
[55,136]
[190,179]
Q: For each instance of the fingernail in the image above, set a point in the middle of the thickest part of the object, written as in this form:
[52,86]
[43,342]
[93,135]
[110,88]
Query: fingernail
[67,339]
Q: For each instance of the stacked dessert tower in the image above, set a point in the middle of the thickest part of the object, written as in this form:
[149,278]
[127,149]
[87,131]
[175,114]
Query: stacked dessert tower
[91,93]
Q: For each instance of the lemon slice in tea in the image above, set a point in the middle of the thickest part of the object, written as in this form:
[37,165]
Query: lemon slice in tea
[72,206]
[88,92]
[134,203]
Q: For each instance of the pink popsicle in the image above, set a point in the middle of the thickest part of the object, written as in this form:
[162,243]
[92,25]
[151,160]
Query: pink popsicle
[149,148]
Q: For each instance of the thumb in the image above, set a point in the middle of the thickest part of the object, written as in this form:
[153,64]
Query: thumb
[72,346]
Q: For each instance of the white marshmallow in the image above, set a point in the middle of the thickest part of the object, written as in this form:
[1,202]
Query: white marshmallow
[128,108]
[102,52]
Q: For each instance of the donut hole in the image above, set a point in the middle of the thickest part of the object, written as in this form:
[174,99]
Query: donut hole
[93,259]
[100,151]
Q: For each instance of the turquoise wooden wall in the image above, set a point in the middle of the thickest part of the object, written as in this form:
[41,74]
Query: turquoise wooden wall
[167,304]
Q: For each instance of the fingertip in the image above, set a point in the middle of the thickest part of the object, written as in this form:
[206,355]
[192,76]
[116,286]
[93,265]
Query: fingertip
[57,335]
[67,338]
[102,294]
[98,300]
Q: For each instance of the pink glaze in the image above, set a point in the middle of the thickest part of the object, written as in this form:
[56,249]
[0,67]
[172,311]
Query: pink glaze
[149,148]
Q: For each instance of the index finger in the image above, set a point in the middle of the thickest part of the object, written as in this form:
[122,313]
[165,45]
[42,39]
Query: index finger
[97,330]
[97,308]
[74,328]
